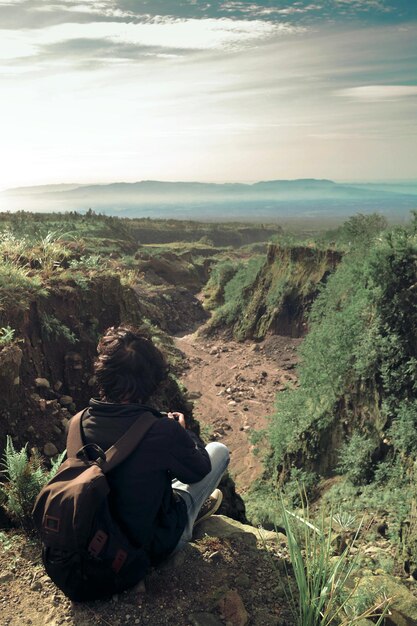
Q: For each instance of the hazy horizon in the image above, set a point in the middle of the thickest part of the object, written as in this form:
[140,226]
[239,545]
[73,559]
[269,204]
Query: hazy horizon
[123,90]
[218,182]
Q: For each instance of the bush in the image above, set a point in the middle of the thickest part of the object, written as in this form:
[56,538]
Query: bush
[17,287]
[6,335]
[236,290]
[403,431]
[356,459]
[25,477]
[52,327]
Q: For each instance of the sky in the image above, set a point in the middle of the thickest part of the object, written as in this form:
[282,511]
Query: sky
[220,91]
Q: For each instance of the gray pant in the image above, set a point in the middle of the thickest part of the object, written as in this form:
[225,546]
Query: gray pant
[196,494]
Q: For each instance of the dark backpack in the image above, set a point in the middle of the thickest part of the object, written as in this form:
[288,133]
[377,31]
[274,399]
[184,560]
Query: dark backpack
[84,551]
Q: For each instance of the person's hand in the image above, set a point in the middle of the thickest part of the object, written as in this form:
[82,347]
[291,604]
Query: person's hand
[178,417]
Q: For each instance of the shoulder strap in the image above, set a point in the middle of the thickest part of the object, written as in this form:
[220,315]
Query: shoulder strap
[74,437]
[120,450]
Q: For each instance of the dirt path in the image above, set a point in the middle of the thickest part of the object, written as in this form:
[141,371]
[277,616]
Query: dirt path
[233,386]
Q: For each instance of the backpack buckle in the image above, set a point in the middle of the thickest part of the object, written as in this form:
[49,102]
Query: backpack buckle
[51,523]
[91,453]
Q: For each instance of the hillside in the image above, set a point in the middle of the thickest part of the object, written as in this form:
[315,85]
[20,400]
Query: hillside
[299,354]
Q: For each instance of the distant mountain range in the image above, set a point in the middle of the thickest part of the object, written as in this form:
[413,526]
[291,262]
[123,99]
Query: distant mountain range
[267,200]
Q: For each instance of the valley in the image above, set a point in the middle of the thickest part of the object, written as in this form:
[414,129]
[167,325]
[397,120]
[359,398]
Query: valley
[292,349]
[233,388]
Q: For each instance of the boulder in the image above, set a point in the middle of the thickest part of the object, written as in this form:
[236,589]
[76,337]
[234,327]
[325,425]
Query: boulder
[222,526]
[50,449]
[403,604]
[65,400]
[42,383]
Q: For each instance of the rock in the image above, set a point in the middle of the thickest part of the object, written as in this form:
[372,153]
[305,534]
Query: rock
[214,350]
[50,449]
[58,385]
[232,403]
[6,577]
[204,619]
[65,400]
[177,560]
[42,383]
[194,395]
[221,526]
[36,586]
[403,604]
[233,610]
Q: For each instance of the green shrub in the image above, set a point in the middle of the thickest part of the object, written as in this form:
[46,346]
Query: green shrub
[6,335]
[404,428]
[17,287]
[25,477]
[300,482]
[356,459]
[53,328]
[236,291]
[220,275]
[90,262]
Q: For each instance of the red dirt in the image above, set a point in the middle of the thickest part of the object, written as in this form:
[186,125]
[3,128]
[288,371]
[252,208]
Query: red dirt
[233,386]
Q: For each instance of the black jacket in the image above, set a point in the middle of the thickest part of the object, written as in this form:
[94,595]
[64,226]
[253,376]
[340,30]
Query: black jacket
[141,497]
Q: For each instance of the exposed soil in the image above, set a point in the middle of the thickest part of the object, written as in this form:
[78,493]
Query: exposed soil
[233,387]
[212,582]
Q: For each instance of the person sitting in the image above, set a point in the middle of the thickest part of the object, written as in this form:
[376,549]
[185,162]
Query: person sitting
[168,484]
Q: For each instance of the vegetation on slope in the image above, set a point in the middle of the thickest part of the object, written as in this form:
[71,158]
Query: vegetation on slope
[354,412]
[268,293]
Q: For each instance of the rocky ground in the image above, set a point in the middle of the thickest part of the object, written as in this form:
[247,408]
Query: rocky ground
[229,574]
[233,387]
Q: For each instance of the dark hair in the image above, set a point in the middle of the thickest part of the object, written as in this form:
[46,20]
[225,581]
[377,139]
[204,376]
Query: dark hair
[129,366]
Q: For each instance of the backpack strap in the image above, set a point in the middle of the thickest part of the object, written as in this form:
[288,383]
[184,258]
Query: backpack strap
[74,438]
[120,450]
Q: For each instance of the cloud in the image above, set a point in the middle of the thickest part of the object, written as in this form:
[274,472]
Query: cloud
[88,53]
[33,14]
[96,44]
[369,93]
[258,10]
[39,14]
